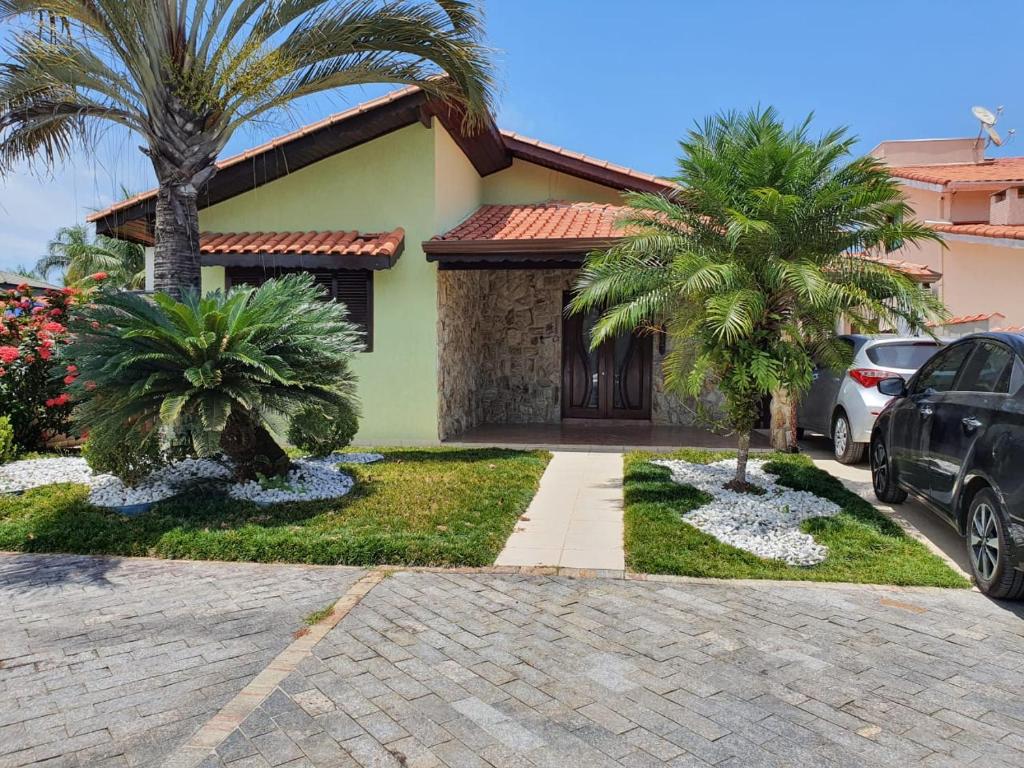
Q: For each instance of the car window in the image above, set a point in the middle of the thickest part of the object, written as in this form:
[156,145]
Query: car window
[988,369]
[909,355]
[939,373]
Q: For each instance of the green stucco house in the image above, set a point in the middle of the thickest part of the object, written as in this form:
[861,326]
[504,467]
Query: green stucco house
[454,251]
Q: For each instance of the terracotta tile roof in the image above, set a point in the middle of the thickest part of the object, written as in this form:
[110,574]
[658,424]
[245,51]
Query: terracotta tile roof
[268,145]
[532,150]
[1002,169]
[320,243]
[1004,231]
[542,221]
[1010,329]
[919,272]
[964,319]
[512,138]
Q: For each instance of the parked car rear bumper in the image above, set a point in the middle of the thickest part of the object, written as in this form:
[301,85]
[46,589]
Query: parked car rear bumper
[862,406]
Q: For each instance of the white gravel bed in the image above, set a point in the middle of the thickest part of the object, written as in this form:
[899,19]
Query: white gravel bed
[767,525]
[309,480]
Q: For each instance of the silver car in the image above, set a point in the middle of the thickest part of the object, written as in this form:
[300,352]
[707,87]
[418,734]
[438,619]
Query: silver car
[844,407]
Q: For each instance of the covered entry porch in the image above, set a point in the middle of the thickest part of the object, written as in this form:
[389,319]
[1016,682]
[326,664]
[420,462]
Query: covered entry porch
[514,368]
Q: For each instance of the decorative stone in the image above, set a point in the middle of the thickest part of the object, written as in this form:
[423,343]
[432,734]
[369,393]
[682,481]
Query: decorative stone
[768,525]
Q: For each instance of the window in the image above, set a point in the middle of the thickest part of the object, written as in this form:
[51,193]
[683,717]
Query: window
[988,369]
[352,287]
[940,372]
[904,355]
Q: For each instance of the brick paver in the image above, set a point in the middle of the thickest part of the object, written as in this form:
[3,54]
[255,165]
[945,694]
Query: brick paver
[116,663]
[513,671]
[107,662]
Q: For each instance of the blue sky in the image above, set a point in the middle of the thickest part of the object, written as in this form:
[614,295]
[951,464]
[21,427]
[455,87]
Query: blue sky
[624,81]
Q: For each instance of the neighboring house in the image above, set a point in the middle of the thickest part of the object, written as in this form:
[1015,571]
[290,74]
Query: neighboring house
[977,204]
[9,280]
[456,253]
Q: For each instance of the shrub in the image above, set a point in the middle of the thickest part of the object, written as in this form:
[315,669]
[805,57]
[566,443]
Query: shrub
[321,431]
[129,454]
[8,449]
[223,369]
[33,377]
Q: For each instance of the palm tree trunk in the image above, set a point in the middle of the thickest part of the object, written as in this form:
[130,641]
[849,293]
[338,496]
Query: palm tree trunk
[783,421]
[176,257]
[742,454]
[251,448]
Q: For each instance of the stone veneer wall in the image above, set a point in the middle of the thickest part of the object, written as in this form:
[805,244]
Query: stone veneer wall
[460,296]
[500,351]
[669,408]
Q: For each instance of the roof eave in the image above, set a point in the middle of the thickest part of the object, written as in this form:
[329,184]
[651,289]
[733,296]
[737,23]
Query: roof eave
[578,245]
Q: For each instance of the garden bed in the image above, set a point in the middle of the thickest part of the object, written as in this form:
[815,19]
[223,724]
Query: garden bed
[416,507]
[859,543]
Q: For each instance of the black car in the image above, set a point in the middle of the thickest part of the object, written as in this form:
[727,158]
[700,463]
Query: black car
[953,436]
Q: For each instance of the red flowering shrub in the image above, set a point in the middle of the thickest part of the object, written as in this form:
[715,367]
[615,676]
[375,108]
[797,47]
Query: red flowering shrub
[32,377]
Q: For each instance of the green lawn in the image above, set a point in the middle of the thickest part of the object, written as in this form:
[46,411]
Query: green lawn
[864,545]
[417,507]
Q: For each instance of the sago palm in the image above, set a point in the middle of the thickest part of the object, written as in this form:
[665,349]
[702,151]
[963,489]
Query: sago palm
[184,75]
[77,256]
[753,262]
[227,369]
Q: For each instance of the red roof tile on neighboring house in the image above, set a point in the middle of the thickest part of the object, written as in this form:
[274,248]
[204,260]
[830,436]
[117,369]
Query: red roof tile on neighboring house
[964,319]
[1003,231]
[918,272]
[320,243]
[543,221]
[1002,169]
[1010,329]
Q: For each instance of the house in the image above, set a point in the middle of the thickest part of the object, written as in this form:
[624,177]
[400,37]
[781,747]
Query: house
[455,251]
[11,280]
[977,205]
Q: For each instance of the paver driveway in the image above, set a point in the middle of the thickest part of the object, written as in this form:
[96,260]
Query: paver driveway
[107,662]
[467,670]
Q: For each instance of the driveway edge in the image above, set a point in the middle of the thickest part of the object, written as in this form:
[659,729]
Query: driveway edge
[220,726]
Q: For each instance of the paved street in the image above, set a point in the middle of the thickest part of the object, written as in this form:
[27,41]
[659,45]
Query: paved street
[477,669]
[107,662]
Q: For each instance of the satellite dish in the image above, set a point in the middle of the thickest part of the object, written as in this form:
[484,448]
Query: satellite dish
[993,136]
[984,115]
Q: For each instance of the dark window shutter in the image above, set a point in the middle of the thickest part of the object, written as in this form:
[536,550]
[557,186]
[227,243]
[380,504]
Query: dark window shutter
[352,287]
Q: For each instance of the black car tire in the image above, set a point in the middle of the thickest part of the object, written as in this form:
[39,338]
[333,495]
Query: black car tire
[989,548]
[845,450]
[883,476]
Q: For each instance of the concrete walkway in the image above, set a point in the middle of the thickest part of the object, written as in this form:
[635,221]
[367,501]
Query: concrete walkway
[575,520]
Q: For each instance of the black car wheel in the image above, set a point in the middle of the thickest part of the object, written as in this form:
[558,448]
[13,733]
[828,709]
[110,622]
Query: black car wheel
[883,479]
[845,449]
[989,549]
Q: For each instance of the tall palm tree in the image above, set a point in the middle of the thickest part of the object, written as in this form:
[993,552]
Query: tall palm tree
[753,262]
[77,256]
[184,75]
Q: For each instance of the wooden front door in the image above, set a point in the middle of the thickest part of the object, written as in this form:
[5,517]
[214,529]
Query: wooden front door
[610,382]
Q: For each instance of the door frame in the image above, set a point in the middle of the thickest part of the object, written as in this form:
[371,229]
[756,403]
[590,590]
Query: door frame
[643,345]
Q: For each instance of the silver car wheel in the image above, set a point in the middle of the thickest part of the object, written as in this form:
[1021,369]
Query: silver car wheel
[841,436]
[985,541]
